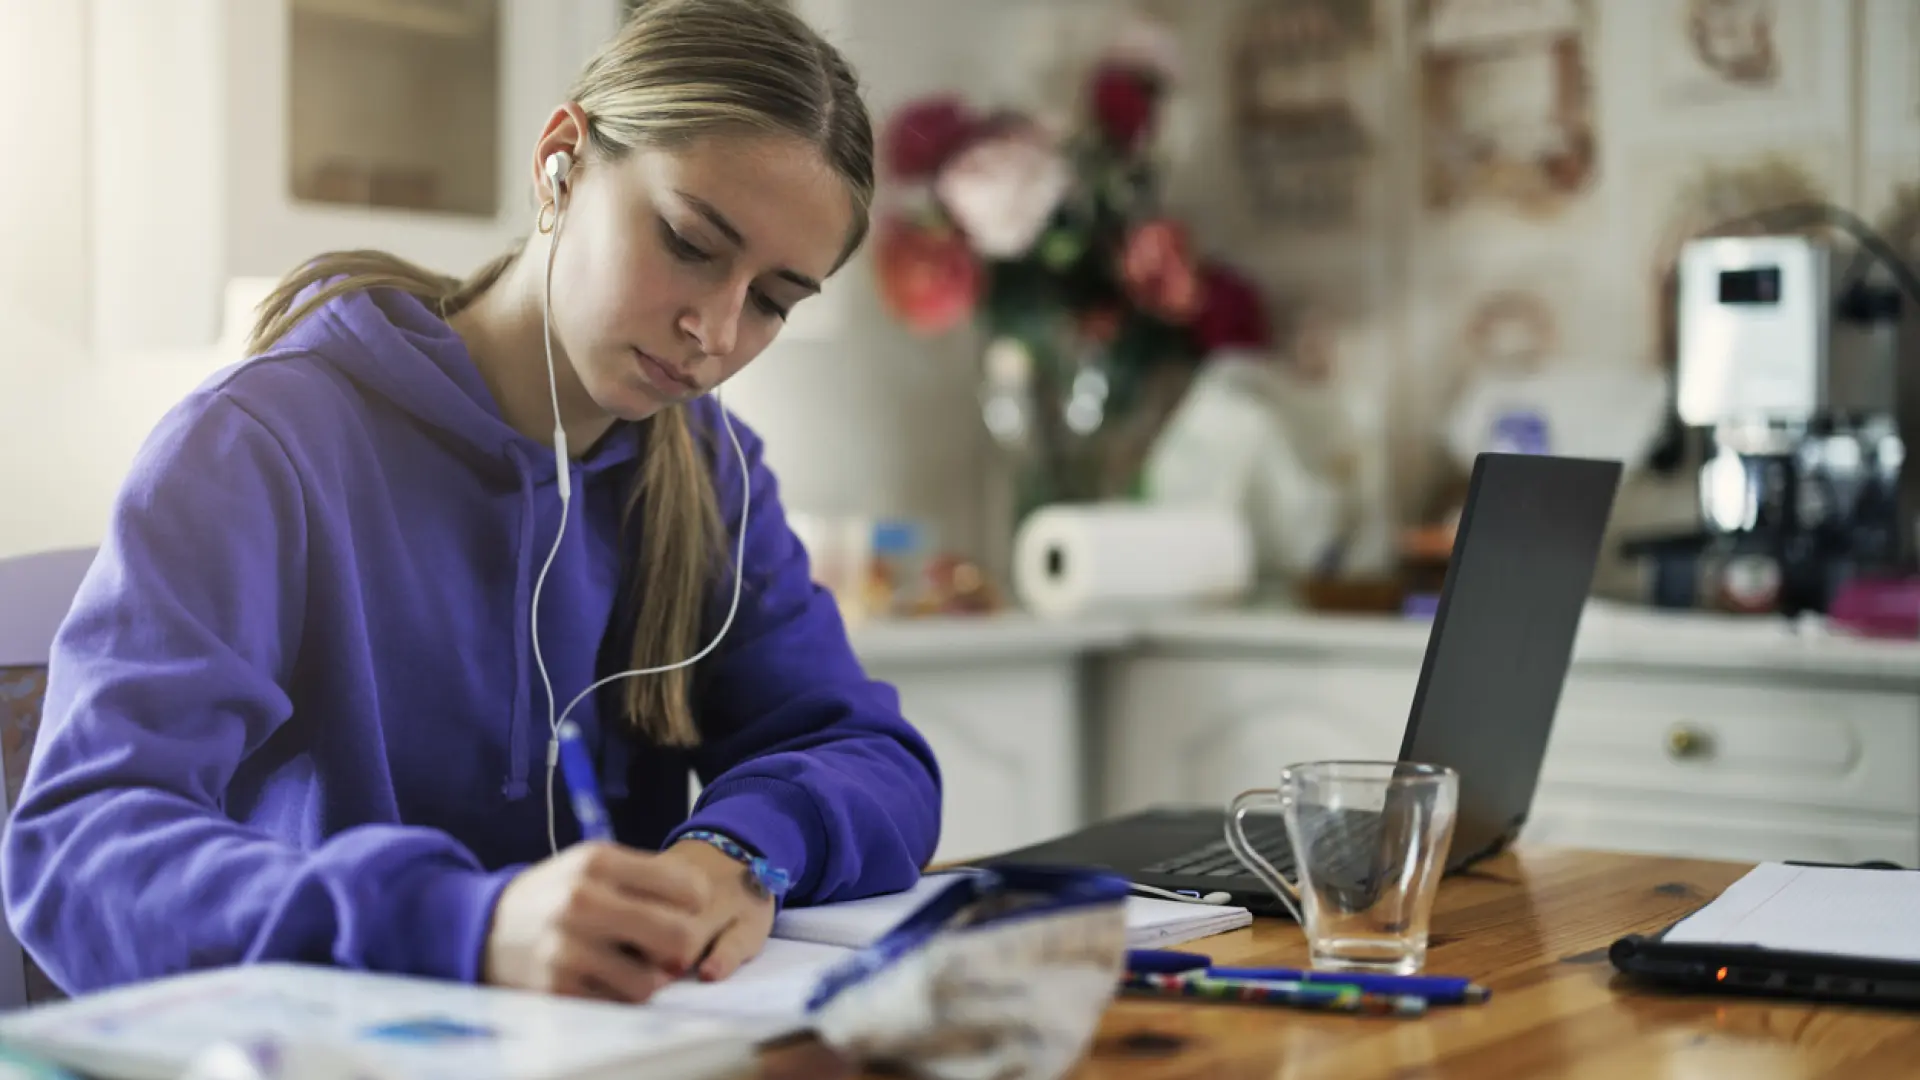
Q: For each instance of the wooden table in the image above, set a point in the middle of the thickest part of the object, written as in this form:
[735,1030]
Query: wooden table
[1534,926]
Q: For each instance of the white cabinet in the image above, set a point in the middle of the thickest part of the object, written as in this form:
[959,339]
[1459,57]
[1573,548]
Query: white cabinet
[1777,761]
[1664,742]
[1007,737]
[1602,820]
[1754,768]
[192,171]
[1000,701]
[1198,730]
[43,194]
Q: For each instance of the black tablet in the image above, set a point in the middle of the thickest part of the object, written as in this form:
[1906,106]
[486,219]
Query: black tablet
[1743,969]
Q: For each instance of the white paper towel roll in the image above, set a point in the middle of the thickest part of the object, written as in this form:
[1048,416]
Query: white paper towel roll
[1111,558]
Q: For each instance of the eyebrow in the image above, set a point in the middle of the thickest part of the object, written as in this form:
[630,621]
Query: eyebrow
[719,221]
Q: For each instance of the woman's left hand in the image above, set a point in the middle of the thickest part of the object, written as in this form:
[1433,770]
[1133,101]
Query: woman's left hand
[738,916]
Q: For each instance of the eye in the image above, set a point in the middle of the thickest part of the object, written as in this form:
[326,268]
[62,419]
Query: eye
[767,306]
[680,247]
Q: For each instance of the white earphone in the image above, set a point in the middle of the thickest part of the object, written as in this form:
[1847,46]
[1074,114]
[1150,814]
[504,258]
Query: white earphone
[558,167]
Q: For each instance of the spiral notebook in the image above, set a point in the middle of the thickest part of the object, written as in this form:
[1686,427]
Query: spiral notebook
[387,1026]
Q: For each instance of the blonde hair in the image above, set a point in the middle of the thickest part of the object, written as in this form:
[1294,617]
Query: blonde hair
[677,71]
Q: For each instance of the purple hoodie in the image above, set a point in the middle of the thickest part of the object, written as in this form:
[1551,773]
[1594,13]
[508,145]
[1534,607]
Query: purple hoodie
[294,713]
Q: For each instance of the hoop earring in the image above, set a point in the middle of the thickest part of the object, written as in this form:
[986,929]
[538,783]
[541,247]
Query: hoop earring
[543,222]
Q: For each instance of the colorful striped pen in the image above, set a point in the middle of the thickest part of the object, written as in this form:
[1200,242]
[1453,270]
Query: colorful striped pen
[1330,997]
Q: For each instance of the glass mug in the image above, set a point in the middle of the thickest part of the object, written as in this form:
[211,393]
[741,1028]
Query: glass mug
[1369,843]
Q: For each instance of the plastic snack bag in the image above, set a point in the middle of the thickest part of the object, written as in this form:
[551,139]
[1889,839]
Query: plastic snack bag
[1004,975]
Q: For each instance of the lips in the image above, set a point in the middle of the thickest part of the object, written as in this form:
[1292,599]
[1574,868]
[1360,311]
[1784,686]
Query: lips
[663,378]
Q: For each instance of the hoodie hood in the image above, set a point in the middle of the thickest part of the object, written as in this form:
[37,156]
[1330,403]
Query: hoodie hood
[391,344]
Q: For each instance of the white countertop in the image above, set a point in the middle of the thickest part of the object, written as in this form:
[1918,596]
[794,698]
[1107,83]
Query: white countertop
[972,639]
[1610,634]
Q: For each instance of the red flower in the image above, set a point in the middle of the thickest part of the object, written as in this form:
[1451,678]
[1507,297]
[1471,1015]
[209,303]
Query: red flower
[1232,313]
[928,276]
[922,136]
[1123,103]
[1157,271]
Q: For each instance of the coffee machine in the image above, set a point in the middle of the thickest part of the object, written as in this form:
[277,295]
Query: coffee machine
[1788,363]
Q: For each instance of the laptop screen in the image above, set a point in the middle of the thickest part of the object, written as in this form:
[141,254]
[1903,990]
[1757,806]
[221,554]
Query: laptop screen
[1522,567]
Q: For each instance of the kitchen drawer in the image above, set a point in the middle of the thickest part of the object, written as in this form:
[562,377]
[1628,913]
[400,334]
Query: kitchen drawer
[1665,825]
[1838,749]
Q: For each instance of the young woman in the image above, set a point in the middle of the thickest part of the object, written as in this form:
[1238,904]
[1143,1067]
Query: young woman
[305,706]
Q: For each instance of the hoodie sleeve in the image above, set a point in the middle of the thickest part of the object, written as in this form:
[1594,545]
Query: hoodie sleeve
[805,759]
[120,863]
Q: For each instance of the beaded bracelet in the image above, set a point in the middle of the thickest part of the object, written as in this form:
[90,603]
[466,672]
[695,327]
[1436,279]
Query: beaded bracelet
[763,878]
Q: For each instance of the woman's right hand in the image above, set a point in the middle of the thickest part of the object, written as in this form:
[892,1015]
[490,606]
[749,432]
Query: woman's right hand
[598,920]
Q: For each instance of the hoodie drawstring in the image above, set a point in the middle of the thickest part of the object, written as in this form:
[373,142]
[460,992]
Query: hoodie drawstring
[613,769]
[516,787]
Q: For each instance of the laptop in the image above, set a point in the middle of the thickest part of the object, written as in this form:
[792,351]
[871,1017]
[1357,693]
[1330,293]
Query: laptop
[1522,567]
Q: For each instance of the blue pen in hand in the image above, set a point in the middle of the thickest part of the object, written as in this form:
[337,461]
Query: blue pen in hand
[1437,989]
[583,787]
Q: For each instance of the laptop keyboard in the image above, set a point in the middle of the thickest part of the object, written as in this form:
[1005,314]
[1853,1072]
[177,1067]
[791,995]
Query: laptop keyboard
[1216,859]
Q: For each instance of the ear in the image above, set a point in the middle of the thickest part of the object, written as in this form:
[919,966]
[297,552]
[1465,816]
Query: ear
[566,130]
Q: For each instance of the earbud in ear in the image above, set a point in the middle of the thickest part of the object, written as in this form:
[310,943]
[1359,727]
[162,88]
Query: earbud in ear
[559,164]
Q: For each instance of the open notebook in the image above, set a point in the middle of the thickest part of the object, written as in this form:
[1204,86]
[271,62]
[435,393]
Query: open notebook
[772,990]
[426,1030]
[1150,923]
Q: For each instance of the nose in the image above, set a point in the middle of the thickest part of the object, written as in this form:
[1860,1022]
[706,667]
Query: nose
[714,320]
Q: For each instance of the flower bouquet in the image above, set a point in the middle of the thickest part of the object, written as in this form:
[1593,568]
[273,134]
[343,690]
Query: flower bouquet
[1092,306]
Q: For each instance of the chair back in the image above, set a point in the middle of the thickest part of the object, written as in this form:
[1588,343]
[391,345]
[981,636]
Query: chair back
[36,592]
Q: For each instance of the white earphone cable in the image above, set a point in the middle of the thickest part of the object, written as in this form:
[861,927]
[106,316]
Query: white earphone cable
[733,608]
[556,175]
[564,477]
[1212,899]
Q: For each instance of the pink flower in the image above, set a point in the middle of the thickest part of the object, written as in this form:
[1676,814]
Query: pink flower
[928,276]
[923,135]
[1004,186]
[1157,271]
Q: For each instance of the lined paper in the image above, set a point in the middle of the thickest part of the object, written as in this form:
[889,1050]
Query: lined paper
[1868,914]
[769,991]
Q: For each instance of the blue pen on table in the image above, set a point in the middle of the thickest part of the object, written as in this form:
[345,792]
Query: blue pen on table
[583,787]
[1438,989]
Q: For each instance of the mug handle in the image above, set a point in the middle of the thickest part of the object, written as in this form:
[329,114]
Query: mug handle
[1287,891]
